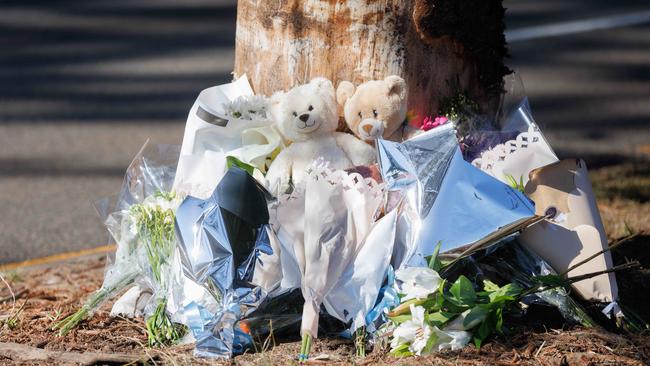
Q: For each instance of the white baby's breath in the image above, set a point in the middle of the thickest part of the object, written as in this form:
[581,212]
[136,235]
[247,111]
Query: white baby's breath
[246,107]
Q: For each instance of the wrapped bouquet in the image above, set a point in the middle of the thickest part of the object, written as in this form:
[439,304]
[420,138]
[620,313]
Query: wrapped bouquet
[407,237]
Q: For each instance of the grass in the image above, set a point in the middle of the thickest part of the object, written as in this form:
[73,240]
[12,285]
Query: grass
[12,276]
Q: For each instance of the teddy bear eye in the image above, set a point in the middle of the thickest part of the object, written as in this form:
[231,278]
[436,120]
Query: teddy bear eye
[295,114]
[311,108]
[360,116]
[374,112]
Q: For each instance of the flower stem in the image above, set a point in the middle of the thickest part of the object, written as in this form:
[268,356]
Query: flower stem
[405,307]
[161,331]
[305,348]
[93,302]
[360,342]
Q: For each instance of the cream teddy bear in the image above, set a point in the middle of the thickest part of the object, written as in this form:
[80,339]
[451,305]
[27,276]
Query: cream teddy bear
[376,109]
[307,116]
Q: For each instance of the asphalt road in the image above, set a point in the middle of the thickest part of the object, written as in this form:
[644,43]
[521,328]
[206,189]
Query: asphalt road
[84,84]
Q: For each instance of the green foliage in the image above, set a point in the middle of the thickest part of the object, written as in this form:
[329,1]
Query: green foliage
[462,292]
[489,316]
[434,260]
[481,312]
[94,302]
[233,161]
[161,331]
[518,185]
[458,107]
[156,232]
[439,318]
[401,351]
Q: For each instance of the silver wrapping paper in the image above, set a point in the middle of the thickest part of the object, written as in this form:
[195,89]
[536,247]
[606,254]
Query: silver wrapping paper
[223,241]
[446,199]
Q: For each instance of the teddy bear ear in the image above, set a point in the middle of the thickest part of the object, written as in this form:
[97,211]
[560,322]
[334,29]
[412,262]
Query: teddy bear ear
[322,83]
[396,86]
[344,92]
[274,102]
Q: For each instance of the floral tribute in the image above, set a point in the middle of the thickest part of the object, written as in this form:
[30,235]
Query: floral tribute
[410,242]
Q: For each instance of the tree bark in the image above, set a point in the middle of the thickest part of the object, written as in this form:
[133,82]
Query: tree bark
[439,47]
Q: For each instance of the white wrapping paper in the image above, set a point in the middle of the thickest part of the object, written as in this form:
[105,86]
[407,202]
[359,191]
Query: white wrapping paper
[515,159]
[211,134]
[327,220]
[355,294]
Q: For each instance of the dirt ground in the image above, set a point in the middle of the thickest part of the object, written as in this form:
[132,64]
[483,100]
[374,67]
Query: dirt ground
[46,294]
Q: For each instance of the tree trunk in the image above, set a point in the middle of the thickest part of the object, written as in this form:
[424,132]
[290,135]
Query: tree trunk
[439,47]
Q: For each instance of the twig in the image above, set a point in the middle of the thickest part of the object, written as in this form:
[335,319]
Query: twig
[570,280]
[610,246]
[11,291]
[621,267]
[144,348]
[540,349]
[13,296]
[14,316]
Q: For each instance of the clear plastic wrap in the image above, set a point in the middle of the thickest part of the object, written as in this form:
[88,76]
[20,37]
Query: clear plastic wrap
[509,145]
[141,224]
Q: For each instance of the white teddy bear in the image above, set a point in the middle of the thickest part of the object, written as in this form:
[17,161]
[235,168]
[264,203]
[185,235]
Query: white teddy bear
[307,116]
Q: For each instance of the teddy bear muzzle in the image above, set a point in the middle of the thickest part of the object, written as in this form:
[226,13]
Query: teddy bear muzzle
[305,123]
[370,129]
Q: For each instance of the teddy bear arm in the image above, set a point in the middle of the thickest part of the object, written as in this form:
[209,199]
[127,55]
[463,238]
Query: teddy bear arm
[279,173]
[357,151]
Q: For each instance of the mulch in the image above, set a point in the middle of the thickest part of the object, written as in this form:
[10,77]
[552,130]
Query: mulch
[44,295]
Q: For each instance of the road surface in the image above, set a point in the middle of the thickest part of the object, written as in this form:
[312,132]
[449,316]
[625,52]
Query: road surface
[84,84]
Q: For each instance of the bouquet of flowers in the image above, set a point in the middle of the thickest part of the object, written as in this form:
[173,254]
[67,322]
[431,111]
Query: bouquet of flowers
[143,228]
[395,238]
[332,231]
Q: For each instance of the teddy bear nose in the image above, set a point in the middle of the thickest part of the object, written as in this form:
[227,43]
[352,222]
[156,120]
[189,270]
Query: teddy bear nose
[304,117]
[367,128]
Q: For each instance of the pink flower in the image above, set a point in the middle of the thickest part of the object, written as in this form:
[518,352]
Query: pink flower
[429,123]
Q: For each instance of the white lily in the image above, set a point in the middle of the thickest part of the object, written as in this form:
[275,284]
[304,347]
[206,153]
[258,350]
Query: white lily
[415,331]
[417,282]
[453,340]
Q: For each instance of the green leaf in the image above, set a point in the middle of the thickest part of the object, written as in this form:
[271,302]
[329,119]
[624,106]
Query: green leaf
[432,303]
[440,318]
[476,316]
[463,292]
[499,315]
[489,286]
[518,185]
[481,334]
[433,260]
[433,339]
[452,305]
[508,292]
[399,319]
[233,161]
[401,351]
[550,280]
